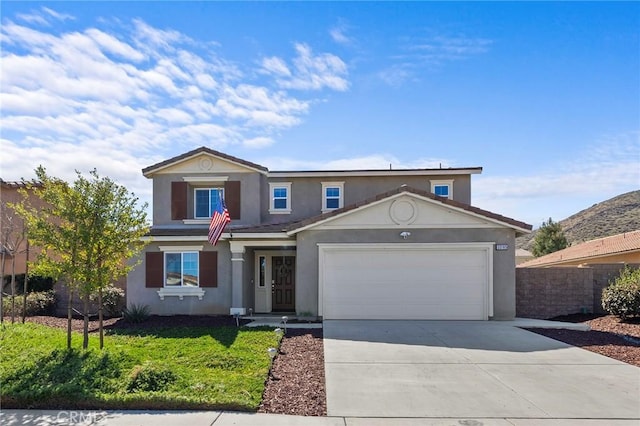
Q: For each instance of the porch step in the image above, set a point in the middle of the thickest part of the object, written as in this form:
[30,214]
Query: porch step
[275,320]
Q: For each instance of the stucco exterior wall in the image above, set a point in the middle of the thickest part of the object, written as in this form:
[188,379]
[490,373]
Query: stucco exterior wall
[307,197]
[503,261]
[250,184]
[216,300]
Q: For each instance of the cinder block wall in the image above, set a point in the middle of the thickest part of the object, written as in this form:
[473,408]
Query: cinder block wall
[550,292]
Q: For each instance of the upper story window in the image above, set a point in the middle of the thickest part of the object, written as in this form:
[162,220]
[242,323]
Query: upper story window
[332,195]
[280,197]
[206,201]
[442,188]
[181,269]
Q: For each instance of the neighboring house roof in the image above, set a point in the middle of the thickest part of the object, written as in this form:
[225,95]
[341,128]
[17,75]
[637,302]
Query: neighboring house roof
[523,253]
[591,251]
[19,184]
[194,153]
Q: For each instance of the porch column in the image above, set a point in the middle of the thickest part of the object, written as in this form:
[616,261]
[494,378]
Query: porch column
[237,282]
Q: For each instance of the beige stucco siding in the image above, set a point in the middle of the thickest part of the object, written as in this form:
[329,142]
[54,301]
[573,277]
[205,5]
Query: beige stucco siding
[216,300]
[306,193]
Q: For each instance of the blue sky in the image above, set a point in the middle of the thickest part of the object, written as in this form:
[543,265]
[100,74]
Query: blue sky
[544,96]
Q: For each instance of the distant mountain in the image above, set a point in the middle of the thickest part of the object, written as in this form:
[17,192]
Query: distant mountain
[614,216]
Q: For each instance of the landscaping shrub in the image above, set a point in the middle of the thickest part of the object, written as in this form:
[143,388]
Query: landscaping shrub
[622,297]
[40,303]
[136,313]
[112,300]
[36,284]
[149,378]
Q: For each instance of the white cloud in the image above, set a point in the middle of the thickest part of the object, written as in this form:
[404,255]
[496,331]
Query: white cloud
[605,169]
[339,34]
[258,142]
[310,71]
[276,66]
[43,16]
[119,96]
[366,162]
[57,15]
[420,53]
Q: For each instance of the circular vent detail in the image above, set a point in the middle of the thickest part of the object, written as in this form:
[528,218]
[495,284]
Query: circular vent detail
[205,164]
[403,212]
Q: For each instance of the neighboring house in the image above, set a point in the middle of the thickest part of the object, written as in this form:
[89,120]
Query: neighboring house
[402,244]
[523,255]
[13,242]
[621,248]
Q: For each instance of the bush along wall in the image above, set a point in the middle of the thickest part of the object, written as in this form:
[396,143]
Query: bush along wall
[38,303]
[35,284]
[622,297]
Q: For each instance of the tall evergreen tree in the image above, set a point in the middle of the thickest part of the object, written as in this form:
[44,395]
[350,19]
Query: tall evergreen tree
[549,238]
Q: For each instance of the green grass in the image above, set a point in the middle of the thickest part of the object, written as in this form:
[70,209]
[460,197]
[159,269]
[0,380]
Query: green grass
[172,368]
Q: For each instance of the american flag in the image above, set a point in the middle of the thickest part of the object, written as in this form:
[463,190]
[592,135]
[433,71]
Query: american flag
[219,220]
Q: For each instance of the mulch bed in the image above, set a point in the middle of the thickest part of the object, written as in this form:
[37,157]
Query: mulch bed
[609,336]
[296,384]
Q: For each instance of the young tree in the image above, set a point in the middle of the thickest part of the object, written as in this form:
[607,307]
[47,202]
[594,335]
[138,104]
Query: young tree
[549,238]
[86,233]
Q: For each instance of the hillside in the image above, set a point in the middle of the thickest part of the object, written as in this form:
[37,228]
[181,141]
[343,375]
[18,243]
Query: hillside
[614,216]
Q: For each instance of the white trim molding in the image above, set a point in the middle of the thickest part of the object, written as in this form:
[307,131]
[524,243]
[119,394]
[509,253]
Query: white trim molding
[181,292]
[448,183]
[275,185]
[205,179]
[180,248]
[325,185]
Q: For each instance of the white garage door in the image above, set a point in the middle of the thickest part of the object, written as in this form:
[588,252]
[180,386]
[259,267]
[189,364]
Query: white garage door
[405,281]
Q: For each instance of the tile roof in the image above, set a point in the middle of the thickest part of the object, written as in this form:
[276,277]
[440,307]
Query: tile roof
[616,244]
[196,151]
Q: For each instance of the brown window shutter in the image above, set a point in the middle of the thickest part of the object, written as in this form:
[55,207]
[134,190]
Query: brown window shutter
[179,200]
[232,198]
[154,269]
[208,269]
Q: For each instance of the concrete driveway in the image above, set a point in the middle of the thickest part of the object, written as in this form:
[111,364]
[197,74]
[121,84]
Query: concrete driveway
[464,369]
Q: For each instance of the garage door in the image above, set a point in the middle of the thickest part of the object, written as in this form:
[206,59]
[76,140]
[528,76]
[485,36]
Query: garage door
[405,281]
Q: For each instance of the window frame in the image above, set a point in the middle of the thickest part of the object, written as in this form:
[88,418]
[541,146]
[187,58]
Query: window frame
[220,189]
[442,183]
[328,185]
[279,185]
[181,253]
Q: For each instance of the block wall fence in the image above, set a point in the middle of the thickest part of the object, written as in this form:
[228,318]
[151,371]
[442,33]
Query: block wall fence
[549,292]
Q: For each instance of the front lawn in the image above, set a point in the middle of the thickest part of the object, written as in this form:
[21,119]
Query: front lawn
[170,368]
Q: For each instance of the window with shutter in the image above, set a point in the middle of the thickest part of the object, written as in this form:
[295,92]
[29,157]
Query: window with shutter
[179,200]
[154,269]
[232,198]
[208,269]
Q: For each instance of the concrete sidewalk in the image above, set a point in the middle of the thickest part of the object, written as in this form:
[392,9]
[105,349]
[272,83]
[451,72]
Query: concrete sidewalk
[219,418]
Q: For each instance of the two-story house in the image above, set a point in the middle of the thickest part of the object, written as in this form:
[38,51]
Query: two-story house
[343,244]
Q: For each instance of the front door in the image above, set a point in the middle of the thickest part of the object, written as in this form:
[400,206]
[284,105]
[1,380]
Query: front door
[283,277]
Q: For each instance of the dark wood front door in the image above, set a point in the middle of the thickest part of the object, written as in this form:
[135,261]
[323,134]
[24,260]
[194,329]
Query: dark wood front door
[283,277]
